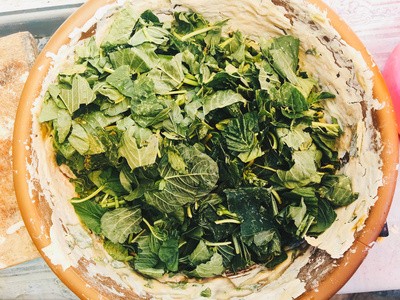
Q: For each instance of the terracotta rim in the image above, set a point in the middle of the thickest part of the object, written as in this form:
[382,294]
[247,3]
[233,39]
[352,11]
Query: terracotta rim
[352,259]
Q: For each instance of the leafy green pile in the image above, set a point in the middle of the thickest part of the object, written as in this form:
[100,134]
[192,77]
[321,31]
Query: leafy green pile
[195,152]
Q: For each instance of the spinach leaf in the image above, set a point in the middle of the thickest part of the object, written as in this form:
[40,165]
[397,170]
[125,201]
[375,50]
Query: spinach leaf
[211,268]
[121,79]
[139,59]
[337,189]
[80,93]
[303,172]
[200,254]
[325,218]
[180,189]
[246,203]
[121,28]
[117,251]
[119,223]
[169,254]
[152,34]
[221,99]
[90,214]
[146,259]
[139,146]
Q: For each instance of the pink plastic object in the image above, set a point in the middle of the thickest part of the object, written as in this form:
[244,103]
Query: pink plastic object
[391,73]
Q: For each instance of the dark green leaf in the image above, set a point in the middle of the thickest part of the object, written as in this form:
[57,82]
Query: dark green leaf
[119,223]
[117,251]
[90,214]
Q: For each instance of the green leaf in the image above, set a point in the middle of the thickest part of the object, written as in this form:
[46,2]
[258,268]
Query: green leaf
[80,93]
[139,60]
[139,146]
[292,98]
[168,75]
[49,111]
[295,219]
[283,54]
[169,254]
[117,251]
[88,50]
[213,37]
[109,91]
[221,99]
[176,161]
[146,258]
[246,202]
[121,28]
[295,138]
[200,254]
[151,34]
[90,214]
[107,178]
[337,189]
[62,124]
[211,268]
[121,79]
[152,272]
[180,189]
[240,136]
[324,220]
[303,172]
[206,293]
[118,224]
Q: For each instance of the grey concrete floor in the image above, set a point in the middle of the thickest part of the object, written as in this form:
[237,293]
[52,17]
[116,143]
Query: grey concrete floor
[385,295]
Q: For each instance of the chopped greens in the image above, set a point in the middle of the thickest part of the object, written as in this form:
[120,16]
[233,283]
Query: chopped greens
[195,151]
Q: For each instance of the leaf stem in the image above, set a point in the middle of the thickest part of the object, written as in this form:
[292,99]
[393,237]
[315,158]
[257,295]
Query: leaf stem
[236,244]
[88,197]
[174,93]
[108,70]
[265,167]
[276,195]
[189,212]
[218,244]
[233,221]
[197,32]
[274,142]
[137,236]
[182,243]
[151,230]
[113,204]
[190,82]
[225,43]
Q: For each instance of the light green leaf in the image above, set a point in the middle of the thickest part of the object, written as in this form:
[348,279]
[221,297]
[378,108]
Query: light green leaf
[117,251]
[211,268]
[121,79]
[108,90]
[168,75]
[146,258]
[49,111]
[295,138]
[139,60]
[121,28]
[63,124]
[200,254]
[303,172]
[80,93]
[152,272]
[180,189]
[90,213]
[118,224]
[152,34]
[221,99]
[138,147]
